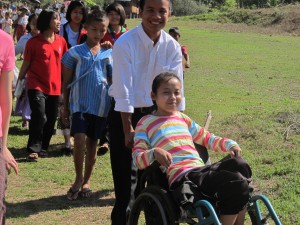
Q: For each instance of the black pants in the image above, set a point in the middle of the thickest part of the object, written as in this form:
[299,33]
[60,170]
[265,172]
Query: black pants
[121,164]
[225,184]
[43,117]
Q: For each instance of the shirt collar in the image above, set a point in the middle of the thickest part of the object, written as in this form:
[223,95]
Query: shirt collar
[145,38]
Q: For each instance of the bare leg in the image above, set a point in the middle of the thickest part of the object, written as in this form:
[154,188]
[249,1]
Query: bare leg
[240,220]
[90,160]
[67,137]
[78,155]
[228,219]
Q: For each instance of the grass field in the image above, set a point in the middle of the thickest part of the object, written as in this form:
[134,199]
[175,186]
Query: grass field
[251,83]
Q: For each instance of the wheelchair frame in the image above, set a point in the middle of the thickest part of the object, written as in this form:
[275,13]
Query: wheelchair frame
[160,201]
[203,209]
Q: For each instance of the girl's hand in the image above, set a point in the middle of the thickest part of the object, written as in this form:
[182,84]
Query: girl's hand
[235,151]
[162,156]
[106,45]
[10,161]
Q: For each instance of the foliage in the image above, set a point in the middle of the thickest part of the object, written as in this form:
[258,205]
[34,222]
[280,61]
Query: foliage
[188,7]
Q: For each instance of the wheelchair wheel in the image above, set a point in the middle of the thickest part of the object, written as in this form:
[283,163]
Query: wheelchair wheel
[152,207]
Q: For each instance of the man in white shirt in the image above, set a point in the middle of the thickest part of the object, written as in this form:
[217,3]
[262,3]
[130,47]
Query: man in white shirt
[139,55]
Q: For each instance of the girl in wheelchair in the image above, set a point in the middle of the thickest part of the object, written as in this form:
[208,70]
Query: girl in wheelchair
[167,136]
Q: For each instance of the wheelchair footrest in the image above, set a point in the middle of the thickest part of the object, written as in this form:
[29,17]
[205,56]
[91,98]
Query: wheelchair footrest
[210,218]
[254,205]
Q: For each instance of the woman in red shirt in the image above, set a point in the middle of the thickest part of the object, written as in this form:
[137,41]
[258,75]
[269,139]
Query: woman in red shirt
[42,63]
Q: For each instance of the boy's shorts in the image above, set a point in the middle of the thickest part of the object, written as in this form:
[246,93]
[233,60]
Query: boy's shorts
[88,124]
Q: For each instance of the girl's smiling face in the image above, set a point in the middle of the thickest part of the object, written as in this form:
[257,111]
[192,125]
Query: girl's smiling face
[114,18]
[55,23]
[167,97]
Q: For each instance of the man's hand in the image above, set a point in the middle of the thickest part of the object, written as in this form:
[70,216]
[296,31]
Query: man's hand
[162,156]
[129,136]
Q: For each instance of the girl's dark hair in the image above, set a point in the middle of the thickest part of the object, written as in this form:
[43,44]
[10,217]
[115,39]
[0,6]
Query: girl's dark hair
[161,78]
[72,6]
[96,15]
[119,9]
[142,4]
[43,21]
[32,16]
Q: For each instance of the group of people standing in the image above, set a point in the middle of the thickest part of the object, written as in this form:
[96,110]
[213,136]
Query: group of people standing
[105,72]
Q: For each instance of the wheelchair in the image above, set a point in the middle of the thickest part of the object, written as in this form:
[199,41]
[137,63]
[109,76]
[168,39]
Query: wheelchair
[156,206]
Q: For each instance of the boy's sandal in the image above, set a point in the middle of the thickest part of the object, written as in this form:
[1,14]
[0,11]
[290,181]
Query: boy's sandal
[32,157]
[72,195]
[85,192]
[103,149]
[43,154]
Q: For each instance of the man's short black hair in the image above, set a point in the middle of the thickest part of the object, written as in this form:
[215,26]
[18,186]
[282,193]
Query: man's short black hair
[174,30]
[142,3]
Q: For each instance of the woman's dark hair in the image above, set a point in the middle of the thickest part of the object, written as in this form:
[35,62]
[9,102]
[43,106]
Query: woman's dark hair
[72,6]
[96,15]
[161,78]
[43,21]
[119,9]
[142,4]
[32,16]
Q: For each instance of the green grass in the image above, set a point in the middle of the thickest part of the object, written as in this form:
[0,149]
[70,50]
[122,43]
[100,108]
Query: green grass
[250,82]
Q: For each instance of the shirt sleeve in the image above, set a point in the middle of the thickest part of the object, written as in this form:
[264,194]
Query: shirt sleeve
[9,63]
[122,87]
[68,60]
[184,50]
[20,47]
[142,154]
[207,139]
[28,51]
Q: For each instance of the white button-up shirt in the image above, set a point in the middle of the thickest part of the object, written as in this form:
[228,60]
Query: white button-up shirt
[136,62]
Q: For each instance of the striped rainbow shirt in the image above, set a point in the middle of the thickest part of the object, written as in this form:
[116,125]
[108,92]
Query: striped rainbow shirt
[176,135]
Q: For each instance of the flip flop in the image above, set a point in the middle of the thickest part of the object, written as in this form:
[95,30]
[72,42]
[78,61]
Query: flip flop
[85,192]
[103,149]
[72,195]
[32,157]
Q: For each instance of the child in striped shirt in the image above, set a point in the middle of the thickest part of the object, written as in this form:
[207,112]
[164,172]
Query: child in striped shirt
[86,76]
[167,136]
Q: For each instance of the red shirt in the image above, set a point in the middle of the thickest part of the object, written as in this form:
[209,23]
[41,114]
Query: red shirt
[44,73]
[111,36]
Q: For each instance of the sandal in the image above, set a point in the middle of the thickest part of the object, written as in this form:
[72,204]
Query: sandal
[85,192]
[103,149]
[32,157]
[72,195]
[43,154]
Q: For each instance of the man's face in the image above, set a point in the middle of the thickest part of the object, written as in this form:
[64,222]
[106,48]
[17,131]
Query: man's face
[155,16]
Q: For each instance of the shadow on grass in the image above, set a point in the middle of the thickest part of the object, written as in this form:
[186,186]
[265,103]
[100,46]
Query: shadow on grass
[28,208]
[18,130]
[55,150]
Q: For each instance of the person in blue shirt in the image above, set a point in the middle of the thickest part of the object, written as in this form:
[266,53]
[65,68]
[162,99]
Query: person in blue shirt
[87,71]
